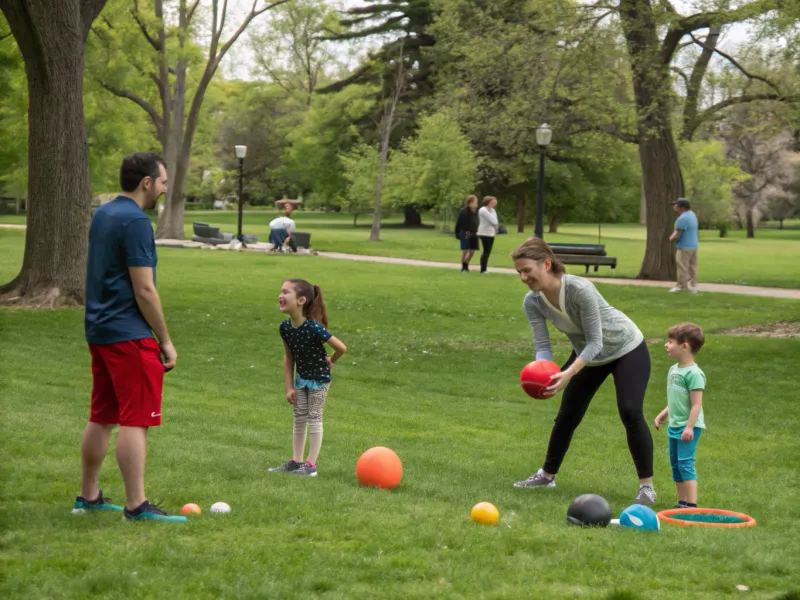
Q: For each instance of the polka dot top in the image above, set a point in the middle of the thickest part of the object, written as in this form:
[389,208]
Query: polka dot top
[307,344]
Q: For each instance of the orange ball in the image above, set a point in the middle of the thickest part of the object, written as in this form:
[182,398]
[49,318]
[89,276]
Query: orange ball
[535,377]
[190,508]
[485,513]
[379,467]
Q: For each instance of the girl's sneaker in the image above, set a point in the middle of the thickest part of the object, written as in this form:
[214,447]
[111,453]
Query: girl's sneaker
[83,505]
[306,469]
[290,466]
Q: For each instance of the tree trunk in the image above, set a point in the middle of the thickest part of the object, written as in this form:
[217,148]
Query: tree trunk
[751,233]
[51,37]
[375,231]
[412,217]
[387,120]
[170,220]
[643,205]
[355,219]
[661,171]
[553,224]
[780,222]
[664,184]
[521,211]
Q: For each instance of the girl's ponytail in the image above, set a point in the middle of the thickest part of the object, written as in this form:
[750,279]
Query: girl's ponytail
[315,308]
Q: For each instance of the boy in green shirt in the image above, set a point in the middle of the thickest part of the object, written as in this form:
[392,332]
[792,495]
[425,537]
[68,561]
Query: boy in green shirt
[685,385]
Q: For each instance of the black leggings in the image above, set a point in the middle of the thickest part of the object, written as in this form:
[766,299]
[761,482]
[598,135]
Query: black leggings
[488,242]
[631,373]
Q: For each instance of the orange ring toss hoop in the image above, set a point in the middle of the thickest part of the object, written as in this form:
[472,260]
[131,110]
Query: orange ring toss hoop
[706,517]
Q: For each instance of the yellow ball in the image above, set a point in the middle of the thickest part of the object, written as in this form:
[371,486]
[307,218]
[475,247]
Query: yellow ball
[485,512]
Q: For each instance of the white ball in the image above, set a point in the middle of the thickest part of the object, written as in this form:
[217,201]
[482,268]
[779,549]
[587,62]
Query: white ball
[220,507]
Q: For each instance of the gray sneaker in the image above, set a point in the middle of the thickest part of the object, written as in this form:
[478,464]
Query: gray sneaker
[290,466]
[646,495]
[537,480]
[306,469]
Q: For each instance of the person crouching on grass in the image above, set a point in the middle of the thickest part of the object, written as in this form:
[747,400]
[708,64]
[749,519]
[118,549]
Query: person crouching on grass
[304,336]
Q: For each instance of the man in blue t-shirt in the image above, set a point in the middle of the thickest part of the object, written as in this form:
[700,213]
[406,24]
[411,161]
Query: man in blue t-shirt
[686,256]
[122,313]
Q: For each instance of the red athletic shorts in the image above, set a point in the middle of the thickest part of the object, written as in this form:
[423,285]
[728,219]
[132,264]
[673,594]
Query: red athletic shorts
[127,382]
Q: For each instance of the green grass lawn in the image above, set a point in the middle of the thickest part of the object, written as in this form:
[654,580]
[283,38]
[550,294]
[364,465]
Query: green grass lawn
[431,371]
[771,259]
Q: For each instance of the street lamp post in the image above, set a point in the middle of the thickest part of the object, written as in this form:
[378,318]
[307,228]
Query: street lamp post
[241,152]
[543,136]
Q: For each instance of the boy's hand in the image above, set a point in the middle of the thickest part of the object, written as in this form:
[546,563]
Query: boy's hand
[659,420]
[291,396]
[687,435]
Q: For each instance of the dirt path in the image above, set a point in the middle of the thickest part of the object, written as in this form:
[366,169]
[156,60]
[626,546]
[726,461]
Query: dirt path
[722,288]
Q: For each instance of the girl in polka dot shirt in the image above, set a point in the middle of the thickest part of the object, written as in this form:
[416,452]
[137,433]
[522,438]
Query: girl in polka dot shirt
[307,368]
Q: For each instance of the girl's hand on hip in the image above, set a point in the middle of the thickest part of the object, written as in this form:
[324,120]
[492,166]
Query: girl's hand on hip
[291,396]
[330,362]
[559,381]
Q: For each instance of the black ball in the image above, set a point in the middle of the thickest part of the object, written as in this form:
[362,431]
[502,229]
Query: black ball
[589,509]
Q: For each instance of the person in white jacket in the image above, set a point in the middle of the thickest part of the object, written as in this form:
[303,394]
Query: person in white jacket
[487,228]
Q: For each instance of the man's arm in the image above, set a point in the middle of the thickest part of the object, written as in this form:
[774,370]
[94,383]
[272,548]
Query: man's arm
[680,225]
[150,304]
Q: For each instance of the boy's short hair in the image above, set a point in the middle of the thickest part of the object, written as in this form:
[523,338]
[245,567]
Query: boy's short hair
[687,333]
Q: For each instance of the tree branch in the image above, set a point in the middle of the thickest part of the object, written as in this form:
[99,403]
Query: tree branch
[695,82]
[683,75]
[192,8]
[253,14]
[731,60]
[89,11]
[611,130]
[743,99]
[686,25]
[135,13]
[141,102]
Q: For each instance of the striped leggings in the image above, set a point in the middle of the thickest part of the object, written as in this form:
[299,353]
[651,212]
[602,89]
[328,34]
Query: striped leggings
[308,410]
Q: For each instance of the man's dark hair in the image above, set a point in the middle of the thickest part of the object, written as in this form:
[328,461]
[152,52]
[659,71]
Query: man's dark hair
[136,167]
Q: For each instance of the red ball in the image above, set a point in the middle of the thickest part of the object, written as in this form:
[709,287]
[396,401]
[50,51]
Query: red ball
[535,377]
[379,467]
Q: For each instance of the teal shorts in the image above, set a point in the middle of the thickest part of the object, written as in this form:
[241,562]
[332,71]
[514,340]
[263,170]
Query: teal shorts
[681,454]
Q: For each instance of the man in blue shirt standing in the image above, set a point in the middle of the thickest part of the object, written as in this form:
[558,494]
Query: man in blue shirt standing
[686,235]
[122,313]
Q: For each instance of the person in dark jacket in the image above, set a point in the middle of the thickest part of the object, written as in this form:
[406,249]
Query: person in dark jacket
[467,231]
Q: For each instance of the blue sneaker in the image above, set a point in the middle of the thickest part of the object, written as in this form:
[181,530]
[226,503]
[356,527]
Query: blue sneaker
[150,512]
[82,505]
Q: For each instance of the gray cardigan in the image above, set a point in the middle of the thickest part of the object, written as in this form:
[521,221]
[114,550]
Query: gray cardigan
[600,333]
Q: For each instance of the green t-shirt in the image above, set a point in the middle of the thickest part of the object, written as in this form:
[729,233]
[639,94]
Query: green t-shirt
[681,381]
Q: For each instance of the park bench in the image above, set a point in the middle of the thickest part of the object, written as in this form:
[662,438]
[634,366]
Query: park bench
[203,232]
[588,255]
